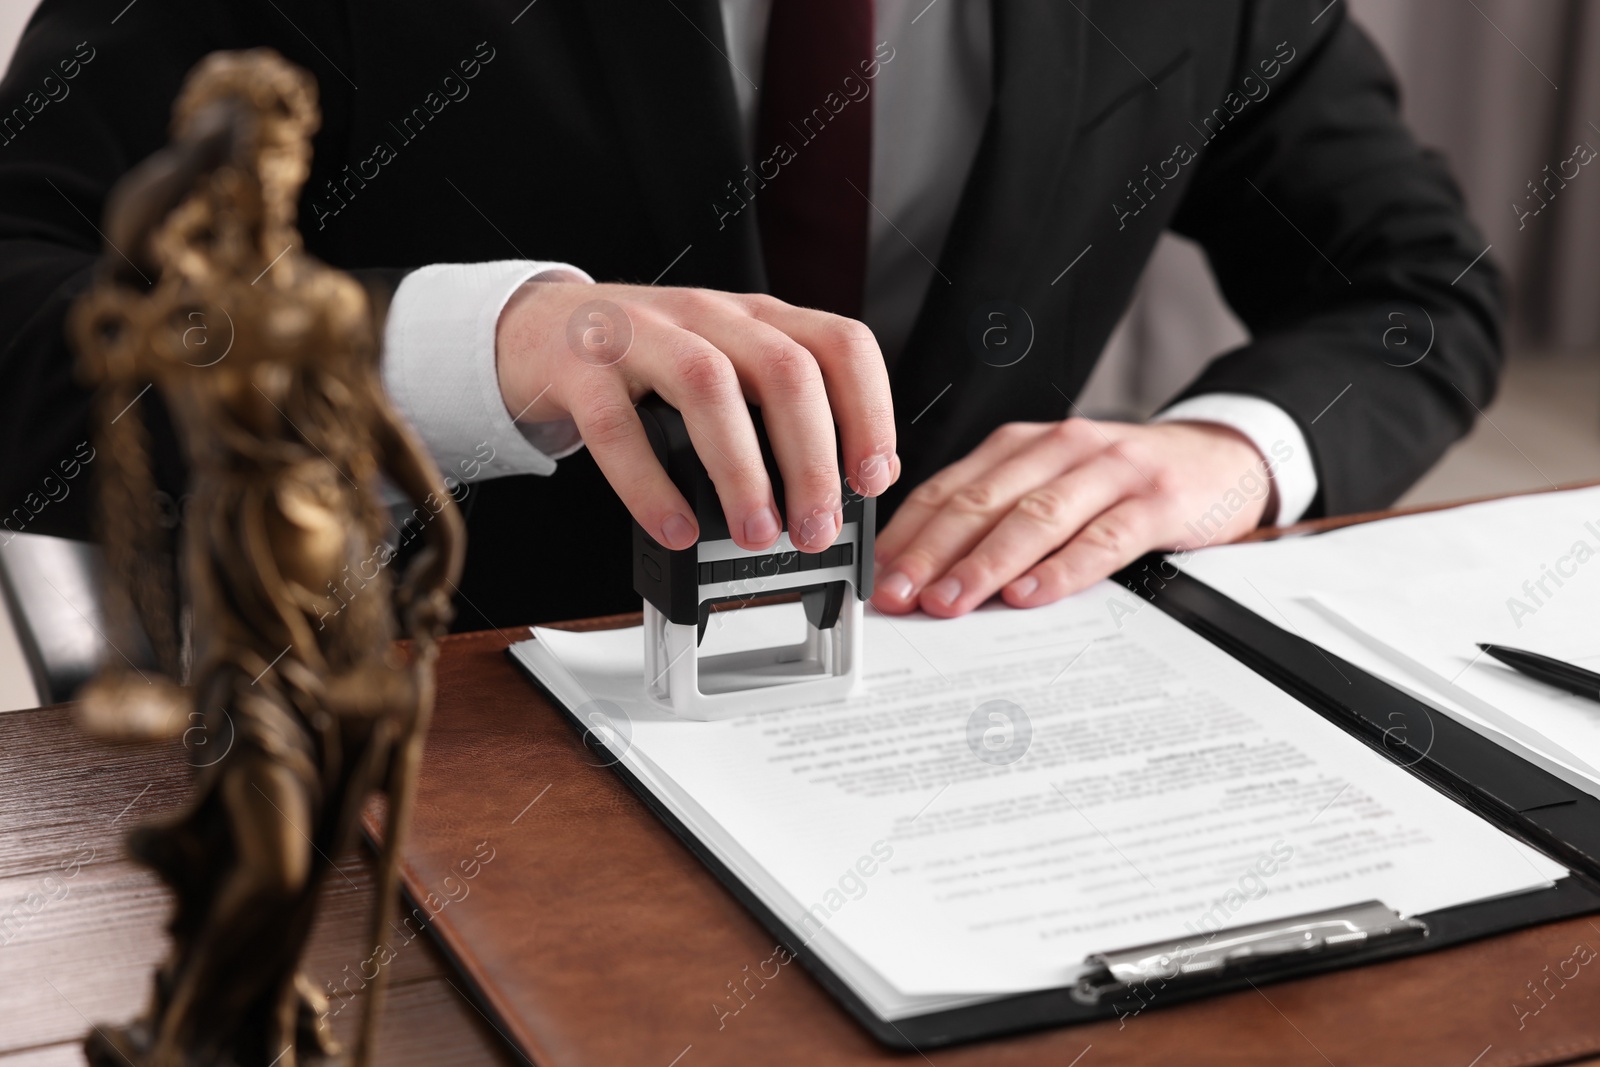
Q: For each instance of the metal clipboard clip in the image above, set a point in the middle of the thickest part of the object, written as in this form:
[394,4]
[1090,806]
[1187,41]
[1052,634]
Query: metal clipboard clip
[1243,949]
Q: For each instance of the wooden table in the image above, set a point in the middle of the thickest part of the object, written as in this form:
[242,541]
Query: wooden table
[81,926]
[81,949]
[87,955]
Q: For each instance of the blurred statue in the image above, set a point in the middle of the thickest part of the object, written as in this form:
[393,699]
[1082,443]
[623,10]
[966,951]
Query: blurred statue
[287,433]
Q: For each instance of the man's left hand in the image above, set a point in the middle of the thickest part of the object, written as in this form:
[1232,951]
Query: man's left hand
[1040,510]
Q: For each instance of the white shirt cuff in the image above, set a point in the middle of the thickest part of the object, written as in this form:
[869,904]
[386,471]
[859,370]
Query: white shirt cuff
[439,369]
[1273,432]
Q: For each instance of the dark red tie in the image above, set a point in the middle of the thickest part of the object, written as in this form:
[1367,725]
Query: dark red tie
[813,212]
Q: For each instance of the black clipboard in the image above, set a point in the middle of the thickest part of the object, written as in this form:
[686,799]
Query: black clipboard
[1528,802]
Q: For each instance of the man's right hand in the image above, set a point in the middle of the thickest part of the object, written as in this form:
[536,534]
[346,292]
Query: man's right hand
[590,352]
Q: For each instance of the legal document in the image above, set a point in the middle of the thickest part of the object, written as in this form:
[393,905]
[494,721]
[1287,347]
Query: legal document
[1014,790]
[1408,599]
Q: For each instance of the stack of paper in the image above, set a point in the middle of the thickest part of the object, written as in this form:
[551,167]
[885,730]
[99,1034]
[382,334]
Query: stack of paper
[1016,790]
[1409,600]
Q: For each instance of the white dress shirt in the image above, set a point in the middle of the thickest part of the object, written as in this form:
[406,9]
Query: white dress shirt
[930,100]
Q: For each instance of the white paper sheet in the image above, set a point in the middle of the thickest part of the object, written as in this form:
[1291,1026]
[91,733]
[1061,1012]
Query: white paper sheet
[1407,598]
[1432,629]
[1159,789]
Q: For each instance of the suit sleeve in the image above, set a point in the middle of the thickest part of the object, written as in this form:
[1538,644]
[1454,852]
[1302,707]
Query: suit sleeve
[1344,246]
[85,99]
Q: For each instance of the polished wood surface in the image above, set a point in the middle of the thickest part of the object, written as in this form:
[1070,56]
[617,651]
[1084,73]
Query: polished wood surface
[85,924]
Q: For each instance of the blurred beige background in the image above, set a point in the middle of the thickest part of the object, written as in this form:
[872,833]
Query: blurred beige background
[1502,88]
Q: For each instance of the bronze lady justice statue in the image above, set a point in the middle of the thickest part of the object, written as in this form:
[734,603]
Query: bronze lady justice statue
[287,433]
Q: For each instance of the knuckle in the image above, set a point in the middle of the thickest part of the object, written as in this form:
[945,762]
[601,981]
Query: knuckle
[1166,484]
[701,369]
[759,304]
[879,415]
[1076,432]
[1008,432]
[1044,505]
[980,571]
[917,563]
[821,478]
[1136,451]
[975,499]
[609,422]
[785,363]
[1053,574]
[696,301]
[930,494]
[854,339]
[1110,535]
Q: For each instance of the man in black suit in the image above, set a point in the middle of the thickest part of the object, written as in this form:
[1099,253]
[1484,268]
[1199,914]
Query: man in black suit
[922,227]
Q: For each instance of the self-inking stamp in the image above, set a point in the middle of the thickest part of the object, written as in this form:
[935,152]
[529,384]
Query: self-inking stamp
[680,588]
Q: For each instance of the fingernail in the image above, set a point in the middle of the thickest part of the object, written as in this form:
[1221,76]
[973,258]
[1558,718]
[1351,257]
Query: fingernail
[946,589]
[817,529]
[1024,587]
[761,527]
[897,585]
[678,531]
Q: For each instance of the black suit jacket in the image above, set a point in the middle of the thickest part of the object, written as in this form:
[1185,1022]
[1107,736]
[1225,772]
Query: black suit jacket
[604,133]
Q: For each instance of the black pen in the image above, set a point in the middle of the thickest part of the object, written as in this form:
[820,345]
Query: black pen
[1550,671]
